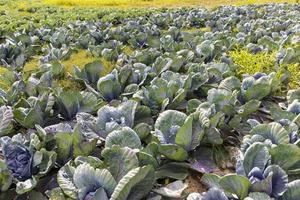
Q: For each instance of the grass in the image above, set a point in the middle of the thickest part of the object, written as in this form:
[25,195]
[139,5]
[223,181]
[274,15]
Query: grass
[128,50]
[69,84]
[294,74]
[158,3]
[3,84]
[3,70]
[31,65]
[249,63]
[193,29]
[79,59]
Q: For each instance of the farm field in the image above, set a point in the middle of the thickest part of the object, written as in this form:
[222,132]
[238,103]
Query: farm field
[158,3]
[152,100]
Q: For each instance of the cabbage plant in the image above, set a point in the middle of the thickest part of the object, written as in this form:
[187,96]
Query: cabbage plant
[83,181]
[25,162]
[167,91]
[259,86]
[177,133]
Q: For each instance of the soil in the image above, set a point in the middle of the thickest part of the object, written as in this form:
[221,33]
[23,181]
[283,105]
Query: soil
[194,183]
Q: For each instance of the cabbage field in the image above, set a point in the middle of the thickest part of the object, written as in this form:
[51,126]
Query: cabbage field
[182,103]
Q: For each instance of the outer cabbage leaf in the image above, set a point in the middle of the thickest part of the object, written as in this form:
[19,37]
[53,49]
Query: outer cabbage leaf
[120,160]
[258,196]
[124,137]
[112,118]
[172,190]
[65,180]
[135,185]
[168,124]
[5,177]
[293,191]
[90,73]
[88,180]
[6,120]
[109,86]
[287,156]
[272,131]
[214,193]
[257,155]
[235,184]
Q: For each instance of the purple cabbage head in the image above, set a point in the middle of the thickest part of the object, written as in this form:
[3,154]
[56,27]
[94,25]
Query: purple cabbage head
[255,175]
[272,181]
[18,160]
